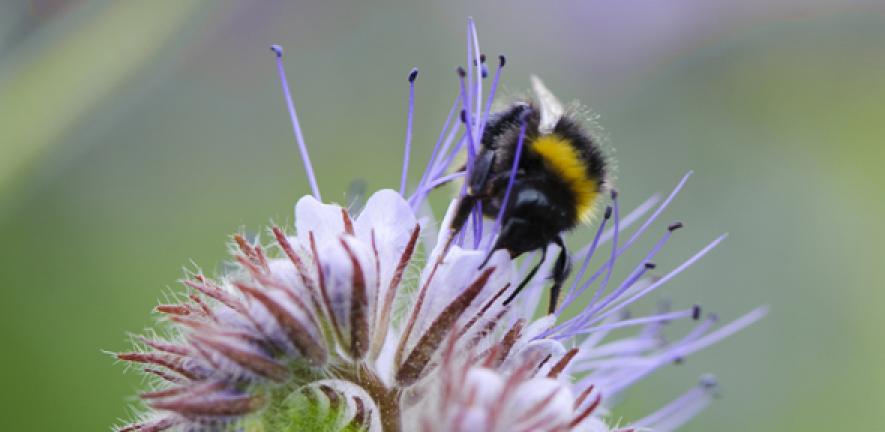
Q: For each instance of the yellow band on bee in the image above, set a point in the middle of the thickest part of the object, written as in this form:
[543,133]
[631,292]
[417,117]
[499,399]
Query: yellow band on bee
[562,158]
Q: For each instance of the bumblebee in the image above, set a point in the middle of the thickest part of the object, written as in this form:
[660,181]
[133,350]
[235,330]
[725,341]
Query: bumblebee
[560,177]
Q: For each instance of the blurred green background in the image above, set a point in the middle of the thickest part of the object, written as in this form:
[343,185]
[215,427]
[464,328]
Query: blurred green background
[135,136]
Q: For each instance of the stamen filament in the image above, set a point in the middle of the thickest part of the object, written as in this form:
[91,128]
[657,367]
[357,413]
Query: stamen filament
[296,127]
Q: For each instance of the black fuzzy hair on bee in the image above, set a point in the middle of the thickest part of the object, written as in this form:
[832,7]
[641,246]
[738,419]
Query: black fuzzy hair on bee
[558,180]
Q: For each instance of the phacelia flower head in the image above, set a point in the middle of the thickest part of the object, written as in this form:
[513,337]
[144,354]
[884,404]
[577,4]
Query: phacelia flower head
[382,320]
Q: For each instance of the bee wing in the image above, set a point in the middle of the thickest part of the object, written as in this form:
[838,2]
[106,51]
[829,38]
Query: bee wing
[551,108]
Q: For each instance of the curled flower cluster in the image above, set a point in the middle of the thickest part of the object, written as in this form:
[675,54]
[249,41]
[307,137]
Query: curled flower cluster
[328,329]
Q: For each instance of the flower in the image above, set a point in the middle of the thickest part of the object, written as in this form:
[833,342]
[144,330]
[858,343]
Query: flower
[330,327]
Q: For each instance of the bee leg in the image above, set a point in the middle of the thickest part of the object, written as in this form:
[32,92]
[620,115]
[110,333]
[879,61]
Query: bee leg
[527,278]
[475,185]
[561,270]
[481,170]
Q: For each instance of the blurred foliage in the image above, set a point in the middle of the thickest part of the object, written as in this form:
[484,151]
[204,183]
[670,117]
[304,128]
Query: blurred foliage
[134,138]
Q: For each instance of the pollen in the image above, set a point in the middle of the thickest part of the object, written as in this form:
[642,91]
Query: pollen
[561,157]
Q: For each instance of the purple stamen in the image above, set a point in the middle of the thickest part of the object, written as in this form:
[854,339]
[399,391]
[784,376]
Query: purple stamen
[477,224]
[659,318]
[696,340]
[446,162]
[516,158]
[697,344]
[433,155]
[501,62]
[443,180]
[657,212]
[473,39]
[466,117]
[688,263]
[413,75]
[637,273]
[681,409]
[296,127]
[614,254]
[572,294]
[641,229]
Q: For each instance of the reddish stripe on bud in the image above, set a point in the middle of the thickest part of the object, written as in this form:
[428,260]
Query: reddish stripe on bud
[361,416]
[332,395]
[254,253]
[296,260]
[384,317]
[165,347]
[586,413]
[322,283]
[173,363]
[295,331]
[152,426]
[583,395]
[359,322]
[507,342]
[163,375]
[483,310]
[173,309]
[536,408]
[562,363]
[203,307]
[217,293]
[417,360]
[211,406]
[247,358]
[348,222]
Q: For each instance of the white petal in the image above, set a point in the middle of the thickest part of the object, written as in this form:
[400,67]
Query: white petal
[324,220]
[392,219]
[591,424]
[558,410]
[458,270]
[536,349]
[486,383]
[389,219]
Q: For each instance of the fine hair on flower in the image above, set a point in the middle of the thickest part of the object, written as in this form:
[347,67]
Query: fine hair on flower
[380,319]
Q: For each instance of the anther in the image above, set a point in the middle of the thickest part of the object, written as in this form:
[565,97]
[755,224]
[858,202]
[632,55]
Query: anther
[501,60]
[461,72]
[614,194]
[277,49]
[650,265]
[482,58]
[413,75]
[463,116]
[674,226]
[696,312]
[708,382]
[608,212]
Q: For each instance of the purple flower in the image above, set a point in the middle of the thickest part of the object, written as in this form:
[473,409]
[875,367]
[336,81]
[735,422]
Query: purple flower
[342,325]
